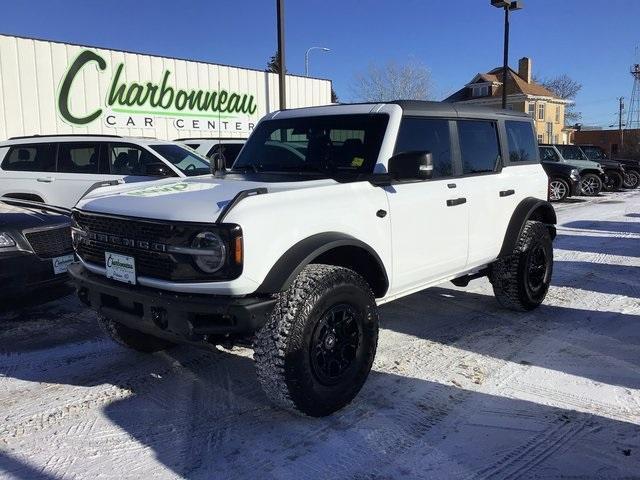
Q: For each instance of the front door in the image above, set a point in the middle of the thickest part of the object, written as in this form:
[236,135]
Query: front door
[429,219]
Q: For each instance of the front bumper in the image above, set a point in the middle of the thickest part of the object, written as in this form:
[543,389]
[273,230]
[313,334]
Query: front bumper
[174,316]
[21,271]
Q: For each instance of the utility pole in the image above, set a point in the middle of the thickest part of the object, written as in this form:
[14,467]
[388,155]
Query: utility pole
[620,129]
[281,63]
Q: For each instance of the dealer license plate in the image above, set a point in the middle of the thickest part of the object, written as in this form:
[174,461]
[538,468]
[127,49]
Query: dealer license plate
[120,267]
[61,264]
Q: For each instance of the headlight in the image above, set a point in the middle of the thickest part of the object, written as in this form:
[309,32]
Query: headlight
[575,175]
[6,241]
[213,253]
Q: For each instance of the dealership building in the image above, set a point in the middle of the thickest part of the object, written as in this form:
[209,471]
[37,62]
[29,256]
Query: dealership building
[53,88]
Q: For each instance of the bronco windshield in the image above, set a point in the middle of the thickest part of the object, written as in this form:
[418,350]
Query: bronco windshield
[330,146]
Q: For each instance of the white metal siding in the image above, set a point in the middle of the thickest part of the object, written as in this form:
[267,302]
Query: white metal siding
[31,72]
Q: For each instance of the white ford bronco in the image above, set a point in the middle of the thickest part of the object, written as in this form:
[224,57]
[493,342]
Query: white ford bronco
[327,213]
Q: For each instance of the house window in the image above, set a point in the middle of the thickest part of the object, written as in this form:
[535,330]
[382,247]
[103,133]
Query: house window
[532,109]
[557,113]
[482,91]
[555,139]
[541,111]
[539,138]
[550,132]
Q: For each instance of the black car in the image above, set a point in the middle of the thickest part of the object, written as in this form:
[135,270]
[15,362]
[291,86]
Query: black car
[564,180]
[35,245]
[631,167]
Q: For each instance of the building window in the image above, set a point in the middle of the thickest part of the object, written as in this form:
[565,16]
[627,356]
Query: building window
[539,138]
[541,111]
[482,91]
[557,113]
[532,109]
[555,139]
[550,132]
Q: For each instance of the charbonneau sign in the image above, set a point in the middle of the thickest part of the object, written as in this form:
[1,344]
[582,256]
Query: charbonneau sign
[140,102]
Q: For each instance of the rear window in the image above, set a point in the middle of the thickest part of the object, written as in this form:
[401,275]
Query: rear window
[78,157]
[479,146]
[39,157]
[521,140]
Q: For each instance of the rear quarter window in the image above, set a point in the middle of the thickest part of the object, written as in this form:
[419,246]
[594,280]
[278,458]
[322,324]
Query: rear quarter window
[521,142]
[39,157]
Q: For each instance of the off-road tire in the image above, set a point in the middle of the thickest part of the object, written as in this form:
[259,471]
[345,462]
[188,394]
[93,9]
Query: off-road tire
[509,276]
[283,346]
[561,187]
[614,182]
[595,179]
[131,338]
[632,179]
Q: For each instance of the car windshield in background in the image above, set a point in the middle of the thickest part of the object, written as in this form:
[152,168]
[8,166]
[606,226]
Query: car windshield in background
[594,153]
[330,146]
[188,162]
[571,152]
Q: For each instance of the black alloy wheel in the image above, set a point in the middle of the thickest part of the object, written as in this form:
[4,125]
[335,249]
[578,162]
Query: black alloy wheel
[335,342]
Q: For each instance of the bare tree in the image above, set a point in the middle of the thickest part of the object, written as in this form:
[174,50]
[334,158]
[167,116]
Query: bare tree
[565,88]
[392,81]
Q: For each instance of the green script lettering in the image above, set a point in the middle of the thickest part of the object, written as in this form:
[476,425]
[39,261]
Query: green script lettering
[63,97]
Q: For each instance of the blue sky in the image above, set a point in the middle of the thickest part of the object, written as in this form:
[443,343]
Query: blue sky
[592,41]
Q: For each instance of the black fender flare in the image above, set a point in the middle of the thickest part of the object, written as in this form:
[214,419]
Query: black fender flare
[291,263]
[528,208]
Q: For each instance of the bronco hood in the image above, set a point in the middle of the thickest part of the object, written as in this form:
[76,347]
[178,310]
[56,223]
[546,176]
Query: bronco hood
[195,199]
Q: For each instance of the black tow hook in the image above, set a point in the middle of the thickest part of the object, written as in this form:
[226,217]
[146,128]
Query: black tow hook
[159,317]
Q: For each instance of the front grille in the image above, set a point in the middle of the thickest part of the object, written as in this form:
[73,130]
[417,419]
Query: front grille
[147,241]
[50,242]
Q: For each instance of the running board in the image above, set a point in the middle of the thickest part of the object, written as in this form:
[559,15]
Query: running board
[464,280]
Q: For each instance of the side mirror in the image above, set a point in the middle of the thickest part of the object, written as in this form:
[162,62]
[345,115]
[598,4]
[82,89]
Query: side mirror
[411,166]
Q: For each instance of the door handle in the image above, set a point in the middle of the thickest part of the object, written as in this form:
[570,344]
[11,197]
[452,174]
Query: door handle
[45,179]
[506,193]
[451,185]
[456,201]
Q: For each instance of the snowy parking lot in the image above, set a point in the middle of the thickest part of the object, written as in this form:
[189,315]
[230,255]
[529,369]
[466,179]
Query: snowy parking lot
[460,389]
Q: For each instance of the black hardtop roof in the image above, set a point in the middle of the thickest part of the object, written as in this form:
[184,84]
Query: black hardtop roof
[423,107]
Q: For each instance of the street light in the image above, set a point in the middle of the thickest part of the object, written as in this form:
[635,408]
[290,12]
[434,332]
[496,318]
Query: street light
[507,5]
[306,58]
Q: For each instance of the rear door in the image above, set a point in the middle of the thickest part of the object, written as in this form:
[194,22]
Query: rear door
[79,167]
[27,170]
[482,181]
[429,219]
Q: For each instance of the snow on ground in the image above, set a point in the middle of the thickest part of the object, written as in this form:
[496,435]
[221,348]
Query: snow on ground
[460,387]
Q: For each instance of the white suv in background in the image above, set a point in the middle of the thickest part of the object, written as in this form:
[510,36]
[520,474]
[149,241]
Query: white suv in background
[212,148]
[59,170]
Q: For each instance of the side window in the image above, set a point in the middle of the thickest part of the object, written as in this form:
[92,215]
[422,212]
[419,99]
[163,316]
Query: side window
[125,159]
[521,140]
[479,146]
[548,154]
[426,134]
[39,157]
[78,157]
